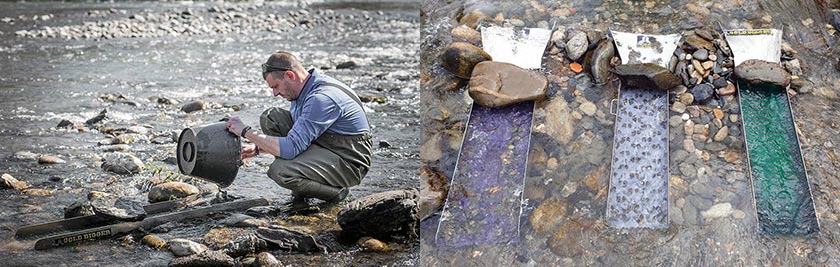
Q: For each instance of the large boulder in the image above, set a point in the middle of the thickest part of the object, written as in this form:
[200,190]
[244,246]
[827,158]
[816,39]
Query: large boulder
[171,190]
[760,71]
[647,75]
[459,58]
[497,84]
[382,215]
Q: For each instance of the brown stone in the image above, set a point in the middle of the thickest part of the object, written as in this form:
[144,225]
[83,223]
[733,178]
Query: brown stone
[48,159]
[171,190]
[728,90]
[647,76]
[730,156]
[698,42]
[497,84]
[596,180]
[559,123]
[12,183]
[37,192]
[154,241]
[698,67]
[708,65]
[372,245]
[718,113]
[548,216]
[460,58]
[464,33]
[473,18]
[566,242]
[759,71]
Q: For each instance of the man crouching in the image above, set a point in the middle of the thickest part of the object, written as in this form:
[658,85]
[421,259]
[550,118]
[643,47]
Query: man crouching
[322,144]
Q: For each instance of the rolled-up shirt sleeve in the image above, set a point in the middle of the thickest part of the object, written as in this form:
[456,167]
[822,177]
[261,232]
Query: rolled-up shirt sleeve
[318,113]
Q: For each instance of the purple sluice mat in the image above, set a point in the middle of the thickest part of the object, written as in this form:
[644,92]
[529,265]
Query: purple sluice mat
[485,196]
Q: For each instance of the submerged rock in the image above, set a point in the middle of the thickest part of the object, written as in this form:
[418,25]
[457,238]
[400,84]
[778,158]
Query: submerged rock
[122,163]
[171,190]
[98,118]
[10,182]
[718,211]
[244,245]
[566,241]
[600,64]
[647,75]
[183,247]
[25,155]
[382,215]
[460,58]
[206,259]
[760,71]
[497,84]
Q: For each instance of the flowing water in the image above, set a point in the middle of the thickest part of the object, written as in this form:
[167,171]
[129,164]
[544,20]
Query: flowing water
[713,219]
[44,80]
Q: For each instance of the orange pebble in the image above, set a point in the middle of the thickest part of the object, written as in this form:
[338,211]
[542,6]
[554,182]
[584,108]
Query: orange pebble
[576,67]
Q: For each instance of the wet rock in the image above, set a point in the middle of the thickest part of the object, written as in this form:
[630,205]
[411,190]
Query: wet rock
[600,63]
[697,42]
[183,247]
[472,18]
[372,245]
[728,90]
[242,220]
[718,211]
[346,65]
[793,66]
[50,159]
[739,214]
[384,144]
[154,241]
[577,46]
[37,192]
[700,54]
[206,259]
[559,123]
[720,82]
[464,33]
[759,71]
[557,38]
[113,208]
[702,92]
[549,216]
[10,182]
[64,124]
[566,241]
[98,118]
[686,98]
[171,190]
[122,163]
[588,108]
[244,245]
[678,107]
[382,215]
[647,76]
[78,208]
[722,134]
[25,155]
[265,259]
[115,148]
[497,84]
[280,237]
[460,58]
[193,106]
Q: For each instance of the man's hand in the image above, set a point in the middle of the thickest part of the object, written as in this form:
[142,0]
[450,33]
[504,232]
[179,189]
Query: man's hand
[235,126]
[249,151]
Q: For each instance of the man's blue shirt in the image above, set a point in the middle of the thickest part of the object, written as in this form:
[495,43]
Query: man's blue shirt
[321,108]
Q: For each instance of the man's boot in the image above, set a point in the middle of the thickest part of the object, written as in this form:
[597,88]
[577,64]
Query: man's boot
[323,192]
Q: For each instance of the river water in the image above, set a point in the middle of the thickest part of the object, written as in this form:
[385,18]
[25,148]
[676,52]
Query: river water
[565,191]
[45,79]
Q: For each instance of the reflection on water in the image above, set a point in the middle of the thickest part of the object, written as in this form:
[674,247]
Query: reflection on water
[712,209]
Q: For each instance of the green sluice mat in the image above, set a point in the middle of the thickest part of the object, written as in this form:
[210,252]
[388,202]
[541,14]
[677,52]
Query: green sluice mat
[783,199]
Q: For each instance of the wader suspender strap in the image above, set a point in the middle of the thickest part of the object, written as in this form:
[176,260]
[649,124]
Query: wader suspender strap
[352,96]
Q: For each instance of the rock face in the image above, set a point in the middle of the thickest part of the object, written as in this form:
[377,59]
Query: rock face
[183,247]
[459,58]
[12,183]
[647,75]
[382,215]
[122,163]
[577,46]
[171,190]
[759,71]
[497,84]
[206,259]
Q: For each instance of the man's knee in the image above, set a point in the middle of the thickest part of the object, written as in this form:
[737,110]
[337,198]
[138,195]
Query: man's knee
[286,181]
[276,121]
